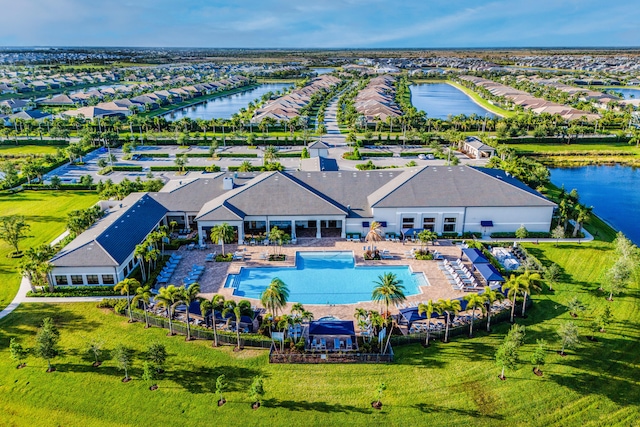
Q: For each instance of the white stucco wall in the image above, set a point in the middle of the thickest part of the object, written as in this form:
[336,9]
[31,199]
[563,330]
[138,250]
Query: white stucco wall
[509,219]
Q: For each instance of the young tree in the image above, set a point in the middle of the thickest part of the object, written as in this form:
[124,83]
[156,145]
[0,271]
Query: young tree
[448,307]
[379,391]
[522,232]
[557,233]
[215,305]
[539,355]
[94,347]
[604,319]
[157,355]
[516,335]
[221,386]
[528,284]
[256,392]
[575,306]
[18,353]
[507,357]
[124,358]
[181,162]
[150,375]
[568,332]
[47,342]
[513,288]
[13,229]
[551,275]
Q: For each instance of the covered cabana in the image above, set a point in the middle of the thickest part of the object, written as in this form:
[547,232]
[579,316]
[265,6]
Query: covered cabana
[410,315]
[411,232]
[331,335]
[475,256]
[490,275]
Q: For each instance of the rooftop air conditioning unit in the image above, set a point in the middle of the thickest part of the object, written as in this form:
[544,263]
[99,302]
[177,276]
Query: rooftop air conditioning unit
[227,183]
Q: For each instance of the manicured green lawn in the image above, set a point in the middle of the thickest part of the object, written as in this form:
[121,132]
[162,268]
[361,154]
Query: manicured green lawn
[574,148]
[28,149]
[446,384]
[46,213]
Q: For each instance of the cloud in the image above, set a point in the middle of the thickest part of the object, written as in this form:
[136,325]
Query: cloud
[326,23]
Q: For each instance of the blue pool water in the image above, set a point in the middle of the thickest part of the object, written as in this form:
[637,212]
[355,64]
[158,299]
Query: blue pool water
[323,278]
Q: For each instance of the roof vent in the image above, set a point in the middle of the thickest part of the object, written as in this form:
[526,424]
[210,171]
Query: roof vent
[507,173]
[348,207]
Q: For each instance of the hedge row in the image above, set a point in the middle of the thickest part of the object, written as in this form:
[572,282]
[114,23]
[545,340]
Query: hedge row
[123,168]
[376,154]
[34,142]
[154,155]
[239,155]
[530,235]
[77,291]
[412,154]
[210,168]
[203,155]
[60,187]
[555,140]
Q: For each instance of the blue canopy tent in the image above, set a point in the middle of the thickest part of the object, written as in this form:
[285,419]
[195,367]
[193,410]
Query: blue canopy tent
[489,273]
[475,256]
[410,315]
[332,335]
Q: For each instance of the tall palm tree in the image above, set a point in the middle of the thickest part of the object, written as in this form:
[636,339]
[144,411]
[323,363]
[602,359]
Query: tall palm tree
[143,293]
[167,297]
[239,309]
[222,233]
[215,305]
[127,286]
[139,253]
[529,284]
[491,296]
[582,213]
[448,307]
[474,301]
[428,309]
[375,232]
[275,296]
[513,288]
[186,296]
[388,290]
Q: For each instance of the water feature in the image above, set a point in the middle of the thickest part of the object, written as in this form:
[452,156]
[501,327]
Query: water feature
[611,192]
[323,70]
[323,278]
[626,92]
[225,106]
[440,100]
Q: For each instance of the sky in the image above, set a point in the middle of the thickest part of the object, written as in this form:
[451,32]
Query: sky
[321,23]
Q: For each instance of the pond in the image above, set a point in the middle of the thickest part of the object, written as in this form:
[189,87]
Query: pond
[440,100]
[322,70]
[626,92]
[611,190]
[225,106]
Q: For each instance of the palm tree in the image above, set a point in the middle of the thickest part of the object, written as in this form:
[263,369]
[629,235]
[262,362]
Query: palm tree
[490,297]
[216,304]
[275,296]
[447,307]
[187,296]
[242,308]
[167,297]
[474,301]
[389,289]
[583,213]
[143,293]
[127,286]
[221,234]
[513,286]
[375,232]
[529,284]
[428,309]
[139,253]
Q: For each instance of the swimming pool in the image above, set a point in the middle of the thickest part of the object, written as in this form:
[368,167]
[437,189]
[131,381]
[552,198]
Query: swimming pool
[323,278]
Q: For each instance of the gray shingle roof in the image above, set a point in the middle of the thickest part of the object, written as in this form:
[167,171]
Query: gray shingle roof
[455,186]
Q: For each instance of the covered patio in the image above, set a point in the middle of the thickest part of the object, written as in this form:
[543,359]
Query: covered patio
[331,335]
[490,275]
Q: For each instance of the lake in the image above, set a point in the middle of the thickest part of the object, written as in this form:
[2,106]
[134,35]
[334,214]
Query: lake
[611,190]
[320,71]
[627,93]
[225,106]
[440,100]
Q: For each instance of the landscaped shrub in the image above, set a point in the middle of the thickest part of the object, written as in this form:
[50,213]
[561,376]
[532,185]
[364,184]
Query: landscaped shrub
[449,235]
[530,235]
[227,258]
[107,303]
[123,168]
[77,291]
[121,306]
[423,255]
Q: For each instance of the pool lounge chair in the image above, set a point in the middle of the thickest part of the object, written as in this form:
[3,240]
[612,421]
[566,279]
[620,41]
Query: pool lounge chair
[349,344]
[323,344]
[336,344]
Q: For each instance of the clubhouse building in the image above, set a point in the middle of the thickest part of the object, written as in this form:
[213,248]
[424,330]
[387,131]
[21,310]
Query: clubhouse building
[450,200]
